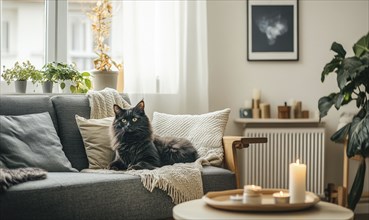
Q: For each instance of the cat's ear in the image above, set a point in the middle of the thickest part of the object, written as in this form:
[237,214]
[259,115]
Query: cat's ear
[117,109]
[141,105]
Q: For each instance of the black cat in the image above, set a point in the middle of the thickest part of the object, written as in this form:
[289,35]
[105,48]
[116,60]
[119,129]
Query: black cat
[137,148]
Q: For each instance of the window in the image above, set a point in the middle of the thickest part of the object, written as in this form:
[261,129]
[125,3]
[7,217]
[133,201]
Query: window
[144,33]
[80,38]
[5,37]
[22,38]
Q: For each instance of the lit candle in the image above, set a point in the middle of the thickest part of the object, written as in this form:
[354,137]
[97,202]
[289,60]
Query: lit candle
[252,189]
[252,194]
[281,197]
[297,182]
[236,198]
[256,94]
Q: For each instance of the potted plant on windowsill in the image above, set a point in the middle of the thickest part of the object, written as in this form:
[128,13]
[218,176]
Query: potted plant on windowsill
[50,73]
[70,79]
[20,74]
[353,83]
[103,75]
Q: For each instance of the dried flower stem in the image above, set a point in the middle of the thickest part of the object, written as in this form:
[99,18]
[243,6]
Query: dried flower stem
[101,16]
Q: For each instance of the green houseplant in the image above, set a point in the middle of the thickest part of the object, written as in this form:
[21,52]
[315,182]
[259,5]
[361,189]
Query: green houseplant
[353,83]
[20,73]
[58,71]
[50,75]
[104,76]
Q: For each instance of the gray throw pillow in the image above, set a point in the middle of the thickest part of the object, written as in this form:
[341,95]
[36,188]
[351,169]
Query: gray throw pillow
[31,141]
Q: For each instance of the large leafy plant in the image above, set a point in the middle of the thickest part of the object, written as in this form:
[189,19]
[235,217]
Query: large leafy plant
[353,83]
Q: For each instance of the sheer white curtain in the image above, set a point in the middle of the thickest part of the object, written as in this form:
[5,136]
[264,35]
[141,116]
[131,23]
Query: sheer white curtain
[165,55]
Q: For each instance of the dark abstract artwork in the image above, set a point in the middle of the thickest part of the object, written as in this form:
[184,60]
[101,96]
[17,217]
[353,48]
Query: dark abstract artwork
[272,30]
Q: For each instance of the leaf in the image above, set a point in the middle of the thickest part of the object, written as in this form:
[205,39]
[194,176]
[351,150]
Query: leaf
[357,186]
[72,88]
[336,47]
[361,46]
[360,99]
[358,141]
[325,103]
[330,67]
[340,135]
[87,74]
[62,85]
[88,83]
[348,70]
[339,100]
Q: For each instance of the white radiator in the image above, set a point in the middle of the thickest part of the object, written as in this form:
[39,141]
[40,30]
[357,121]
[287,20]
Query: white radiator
[267,165]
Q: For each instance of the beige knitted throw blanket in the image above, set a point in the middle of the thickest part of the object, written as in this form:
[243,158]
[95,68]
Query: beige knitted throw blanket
[102,102]
[182,181]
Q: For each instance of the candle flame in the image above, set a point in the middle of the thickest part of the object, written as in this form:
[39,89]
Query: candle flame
[298,161]
[253,186]
[281,193]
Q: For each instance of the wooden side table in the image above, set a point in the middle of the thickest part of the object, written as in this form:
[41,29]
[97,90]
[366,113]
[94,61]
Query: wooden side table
[198,209]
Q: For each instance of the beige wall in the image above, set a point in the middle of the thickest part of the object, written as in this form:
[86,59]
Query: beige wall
[232,77]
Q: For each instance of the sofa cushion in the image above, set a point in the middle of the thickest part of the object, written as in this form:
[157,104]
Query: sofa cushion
[66,107]
[204,131]
[96,138]
[27,104]
[31,141]
[97,196]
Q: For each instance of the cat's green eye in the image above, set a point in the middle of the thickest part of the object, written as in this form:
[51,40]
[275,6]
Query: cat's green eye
[134,119]
[124,120]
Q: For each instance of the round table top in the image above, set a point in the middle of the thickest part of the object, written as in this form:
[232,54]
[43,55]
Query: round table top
[198,209]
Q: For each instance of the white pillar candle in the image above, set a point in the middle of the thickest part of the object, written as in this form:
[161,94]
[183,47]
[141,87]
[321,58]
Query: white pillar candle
[247,104]
[256,94]
[297,182]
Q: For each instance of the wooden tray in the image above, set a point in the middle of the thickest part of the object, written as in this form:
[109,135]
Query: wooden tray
[221,200]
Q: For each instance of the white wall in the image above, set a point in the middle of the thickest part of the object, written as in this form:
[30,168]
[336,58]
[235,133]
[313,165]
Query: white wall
[232,77]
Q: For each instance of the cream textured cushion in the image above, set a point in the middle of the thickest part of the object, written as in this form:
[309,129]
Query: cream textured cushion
[96,138]
[204,131]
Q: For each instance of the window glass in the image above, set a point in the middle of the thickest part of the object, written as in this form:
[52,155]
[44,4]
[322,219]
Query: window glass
[22,38]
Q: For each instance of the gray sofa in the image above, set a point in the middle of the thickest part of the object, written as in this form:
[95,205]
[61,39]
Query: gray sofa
[75,195]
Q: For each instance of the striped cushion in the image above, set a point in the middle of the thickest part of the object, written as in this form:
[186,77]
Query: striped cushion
[204,131]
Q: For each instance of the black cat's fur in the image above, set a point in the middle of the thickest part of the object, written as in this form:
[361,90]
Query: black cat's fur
[137,148]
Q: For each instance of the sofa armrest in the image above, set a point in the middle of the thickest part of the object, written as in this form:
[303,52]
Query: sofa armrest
[230,144]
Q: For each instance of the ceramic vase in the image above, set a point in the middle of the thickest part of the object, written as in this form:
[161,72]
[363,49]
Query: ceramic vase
[103,79]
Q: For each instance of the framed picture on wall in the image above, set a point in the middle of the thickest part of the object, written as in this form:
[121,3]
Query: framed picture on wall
[272,30]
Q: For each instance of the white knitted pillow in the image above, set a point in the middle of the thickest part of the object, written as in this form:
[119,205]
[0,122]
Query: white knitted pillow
[204,131]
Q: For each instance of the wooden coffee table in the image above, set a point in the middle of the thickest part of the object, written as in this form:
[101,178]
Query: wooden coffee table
[198,209]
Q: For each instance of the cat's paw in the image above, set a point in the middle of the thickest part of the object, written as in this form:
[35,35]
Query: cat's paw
[134,167]
[112,168]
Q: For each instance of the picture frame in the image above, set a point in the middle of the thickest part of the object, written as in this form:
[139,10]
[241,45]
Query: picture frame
[272,30]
